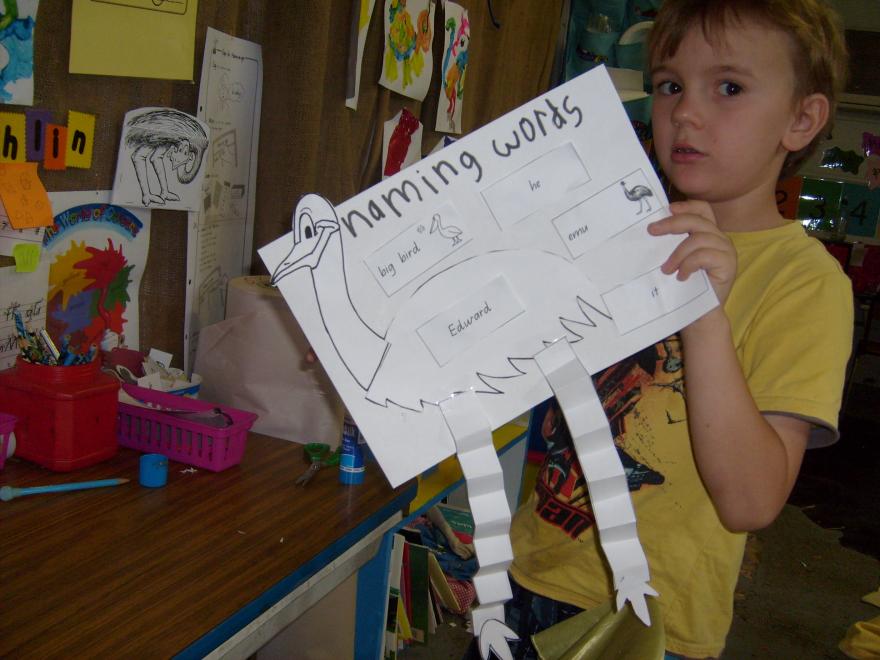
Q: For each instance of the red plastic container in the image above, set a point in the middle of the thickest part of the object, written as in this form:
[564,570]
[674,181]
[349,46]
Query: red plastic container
[7,424]
[66,415]
[179,437]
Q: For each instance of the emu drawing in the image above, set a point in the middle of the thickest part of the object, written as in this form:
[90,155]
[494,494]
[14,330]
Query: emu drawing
[398,371]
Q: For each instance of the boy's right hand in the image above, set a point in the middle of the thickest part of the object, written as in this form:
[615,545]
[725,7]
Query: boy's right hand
[705,247]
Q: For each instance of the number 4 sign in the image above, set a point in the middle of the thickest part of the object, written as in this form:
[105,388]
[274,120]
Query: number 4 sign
[860,207]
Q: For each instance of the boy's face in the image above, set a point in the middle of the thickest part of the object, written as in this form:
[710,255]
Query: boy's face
[720,112]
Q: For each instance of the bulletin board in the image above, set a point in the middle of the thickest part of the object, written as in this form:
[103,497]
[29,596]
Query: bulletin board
[309,140]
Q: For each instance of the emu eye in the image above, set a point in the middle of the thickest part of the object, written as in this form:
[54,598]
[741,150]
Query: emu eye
[306,226]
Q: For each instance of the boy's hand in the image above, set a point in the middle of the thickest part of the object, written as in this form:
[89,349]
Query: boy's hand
[706,246]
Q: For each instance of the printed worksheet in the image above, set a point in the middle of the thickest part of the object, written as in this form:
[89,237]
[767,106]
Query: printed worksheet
[452,275]
[25,293]
[221,231]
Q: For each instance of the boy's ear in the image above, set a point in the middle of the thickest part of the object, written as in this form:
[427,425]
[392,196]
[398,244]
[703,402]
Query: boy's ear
[810,116]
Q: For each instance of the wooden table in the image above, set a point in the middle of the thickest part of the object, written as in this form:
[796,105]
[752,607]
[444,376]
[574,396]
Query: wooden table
[209,558]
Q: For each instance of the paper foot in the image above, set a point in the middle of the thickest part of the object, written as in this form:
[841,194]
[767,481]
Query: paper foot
[635,592]
[495,637]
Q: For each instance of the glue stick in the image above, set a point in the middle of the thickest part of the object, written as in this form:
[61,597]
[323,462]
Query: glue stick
[351,460]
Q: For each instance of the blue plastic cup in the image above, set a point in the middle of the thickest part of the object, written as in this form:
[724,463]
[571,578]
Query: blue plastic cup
[153,470]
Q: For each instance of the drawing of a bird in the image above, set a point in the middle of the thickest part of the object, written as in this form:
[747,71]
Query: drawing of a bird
[446,231]
[368,353]
[638,193]
[455,64]
[398,370]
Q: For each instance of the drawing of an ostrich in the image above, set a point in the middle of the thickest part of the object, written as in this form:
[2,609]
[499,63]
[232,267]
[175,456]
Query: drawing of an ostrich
[638,193]
[172,141]
[455,64]
[411,377]
[446,231]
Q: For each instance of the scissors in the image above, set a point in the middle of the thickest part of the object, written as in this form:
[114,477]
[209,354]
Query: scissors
[319,455]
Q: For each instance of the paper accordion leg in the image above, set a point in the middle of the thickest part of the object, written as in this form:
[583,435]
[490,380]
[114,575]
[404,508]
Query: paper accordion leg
[603,471]
[485,485]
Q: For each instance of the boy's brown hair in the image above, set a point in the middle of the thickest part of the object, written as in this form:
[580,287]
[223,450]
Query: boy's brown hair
[818,50]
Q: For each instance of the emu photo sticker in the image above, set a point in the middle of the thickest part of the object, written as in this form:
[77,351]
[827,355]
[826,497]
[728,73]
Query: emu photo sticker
[453,274]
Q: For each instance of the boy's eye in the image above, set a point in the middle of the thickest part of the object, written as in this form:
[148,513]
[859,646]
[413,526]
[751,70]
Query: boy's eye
[729,89]
[668,87]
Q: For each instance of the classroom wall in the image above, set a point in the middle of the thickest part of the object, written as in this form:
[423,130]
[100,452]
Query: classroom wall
[310,142]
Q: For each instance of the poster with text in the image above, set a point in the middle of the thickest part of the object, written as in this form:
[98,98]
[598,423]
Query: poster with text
[453,275]
[221,231]
[96,253]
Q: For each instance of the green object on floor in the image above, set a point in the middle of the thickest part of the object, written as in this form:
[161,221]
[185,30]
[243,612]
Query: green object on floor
[603,633]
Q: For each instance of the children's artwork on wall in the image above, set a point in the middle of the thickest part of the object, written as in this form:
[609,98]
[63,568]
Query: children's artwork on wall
[401,142]
[161,160]
[96,253]
[408,61]
[455,295]
[10,236]
[846,160]
[457,30]
[819,206]
[17,24]
[26,293]
[361,13]
[872,172]
[788,194]
[141,38]
[859,209]
[25,201]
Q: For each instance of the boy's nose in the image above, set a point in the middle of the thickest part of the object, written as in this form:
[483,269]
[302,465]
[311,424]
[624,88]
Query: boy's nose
[686,111]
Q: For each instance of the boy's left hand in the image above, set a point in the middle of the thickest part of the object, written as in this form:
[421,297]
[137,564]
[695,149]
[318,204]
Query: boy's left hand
[706,246]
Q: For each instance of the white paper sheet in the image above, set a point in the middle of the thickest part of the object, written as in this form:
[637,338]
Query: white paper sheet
[25,292]
[603,472]
[220,236]
[378,276]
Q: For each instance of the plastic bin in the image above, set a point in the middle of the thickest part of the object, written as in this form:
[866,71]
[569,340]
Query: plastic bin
[7,424]
[178,438]
[66,415]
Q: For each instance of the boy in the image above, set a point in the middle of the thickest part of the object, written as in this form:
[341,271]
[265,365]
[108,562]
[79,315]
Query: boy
[742,91]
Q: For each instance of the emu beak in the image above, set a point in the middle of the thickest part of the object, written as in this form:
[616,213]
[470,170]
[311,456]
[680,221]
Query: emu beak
[306,254]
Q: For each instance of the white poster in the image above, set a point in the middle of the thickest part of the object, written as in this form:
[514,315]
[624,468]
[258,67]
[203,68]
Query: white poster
[97,253]
[453,274]
[220,237]
[26,294]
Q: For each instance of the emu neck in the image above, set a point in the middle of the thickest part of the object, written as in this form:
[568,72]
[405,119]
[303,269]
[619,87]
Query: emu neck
[358,346]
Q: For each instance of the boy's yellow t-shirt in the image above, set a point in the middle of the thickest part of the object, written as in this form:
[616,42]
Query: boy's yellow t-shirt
[791,315]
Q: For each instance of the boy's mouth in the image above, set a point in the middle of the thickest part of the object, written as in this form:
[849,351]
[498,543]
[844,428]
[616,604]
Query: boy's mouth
[685,153]
[684,149]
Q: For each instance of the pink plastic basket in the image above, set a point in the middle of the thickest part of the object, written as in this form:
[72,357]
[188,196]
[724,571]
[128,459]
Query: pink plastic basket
[7,424]
[179,438]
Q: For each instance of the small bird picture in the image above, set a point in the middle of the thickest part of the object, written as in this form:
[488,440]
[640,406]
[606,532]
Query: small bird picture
[638,193]
[446,231]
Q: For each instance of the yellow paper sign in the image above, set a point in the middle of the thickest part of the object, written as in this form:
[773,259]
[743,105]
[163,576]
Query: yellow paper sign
[146,39]
[27,257]
[24,196]
[12,137]
[80,139]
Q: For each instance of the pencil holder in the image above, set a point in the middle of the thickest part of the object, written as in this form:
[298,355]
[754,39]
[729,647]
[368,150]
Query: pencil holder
[66,415]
